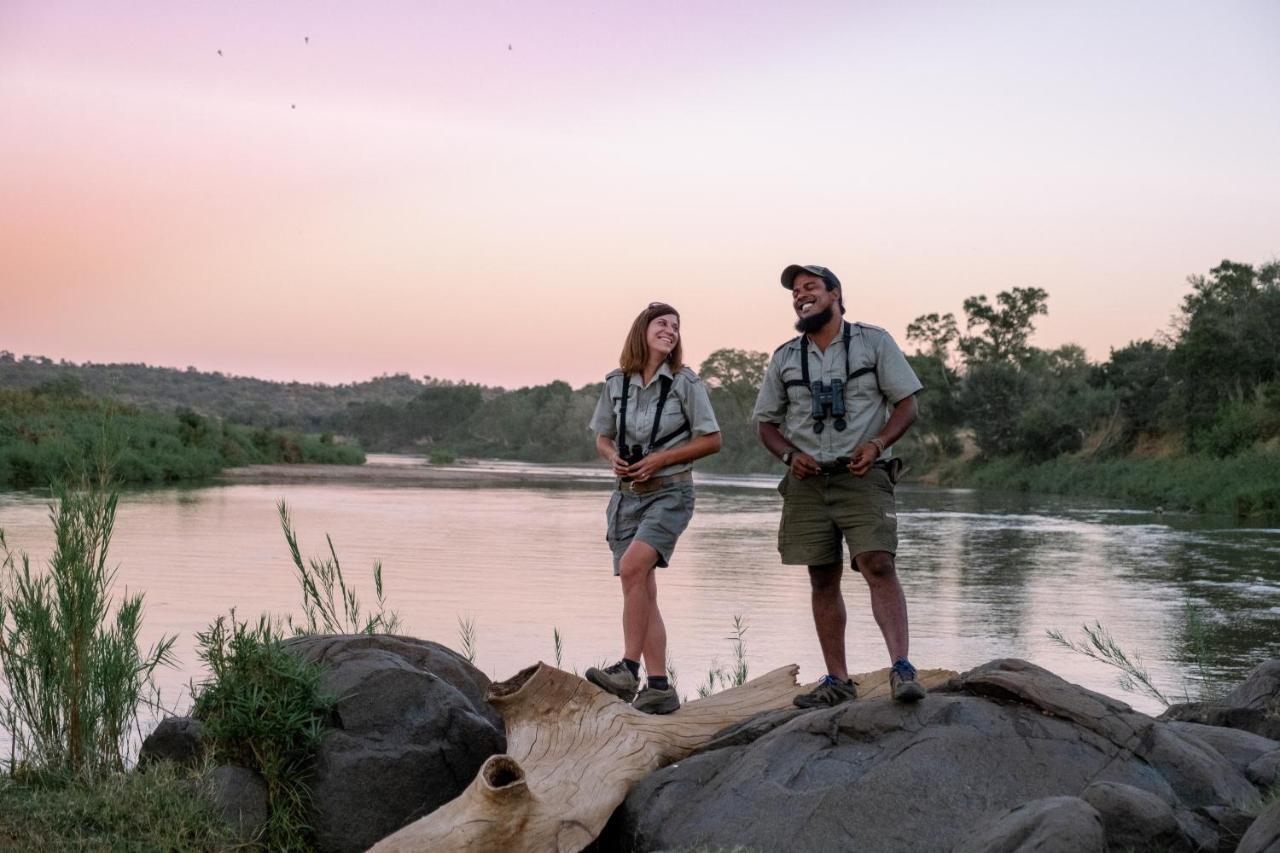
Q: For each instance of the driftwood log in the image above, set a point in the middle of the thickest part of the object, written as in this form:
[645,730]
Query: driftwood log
[573,753]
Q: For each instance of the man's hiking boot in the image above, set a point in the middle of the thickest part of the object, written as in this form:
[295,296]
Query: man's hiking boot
[903,684]
[830,692]
[616,679]
[652,700]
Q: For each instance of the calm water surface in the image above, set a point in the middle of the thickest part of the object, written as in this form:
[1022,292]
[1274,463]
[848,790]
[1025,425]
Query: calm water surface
[520,550]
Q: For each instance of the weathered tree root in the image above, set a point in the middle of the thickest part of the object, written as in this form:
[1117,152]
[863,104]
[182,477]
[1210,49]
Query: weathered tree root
[573,753]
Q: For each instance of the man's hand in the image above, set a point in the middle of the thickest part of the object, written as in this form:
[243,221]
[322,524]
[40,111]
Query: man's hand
[618,464]
[647,467]
[864,456]
[803,465]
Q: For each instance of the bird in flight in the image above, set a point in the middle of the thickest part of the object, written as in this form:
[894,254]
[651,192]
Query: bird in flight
[219,53]
[508,47]
[306,39]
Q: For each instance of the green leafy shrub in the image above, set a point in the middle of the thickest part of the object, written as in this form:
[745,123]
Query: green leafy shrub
[263,709]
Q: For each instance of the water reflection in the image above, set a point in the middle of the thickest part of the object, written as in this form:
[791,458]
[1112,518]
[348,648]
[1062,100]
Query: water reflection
[521,549]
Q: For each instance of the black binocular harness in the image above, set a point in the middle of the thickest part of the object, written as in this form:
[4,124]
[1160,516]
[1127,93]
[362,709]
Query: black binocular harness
[828,396]
[628,453]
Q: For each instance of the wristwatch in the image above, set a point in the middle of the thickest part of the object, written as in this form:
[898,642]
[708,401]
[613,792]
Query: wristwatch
[787,454]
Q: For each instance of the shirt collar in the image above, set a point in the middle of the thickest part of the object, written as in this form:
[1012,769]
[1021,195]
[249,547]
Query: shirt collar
[664,369]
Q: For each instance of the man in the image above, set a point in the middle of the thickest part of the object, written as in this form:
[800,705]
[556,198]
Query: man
[833,401]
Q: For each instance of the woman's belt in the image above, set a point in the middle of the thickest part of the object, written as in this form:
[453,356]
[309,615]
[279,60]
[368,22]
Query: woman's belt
[636,487]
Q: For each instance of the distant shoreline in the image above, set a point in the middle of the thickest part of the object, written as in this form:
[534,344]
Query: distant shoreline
[391,470]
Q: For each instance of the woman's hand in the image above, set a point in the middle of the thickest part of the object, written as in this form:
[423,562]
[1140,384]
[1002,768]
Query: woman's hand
[648,466]
[607,450]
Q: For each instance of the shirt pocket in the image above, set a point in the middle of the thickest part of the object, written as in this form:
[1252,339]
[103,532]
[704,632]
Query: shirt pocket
[864,386]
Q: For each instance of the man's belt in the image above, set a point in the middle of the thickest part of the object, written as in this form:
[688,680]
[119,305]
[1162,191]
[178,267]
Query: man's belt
[637,488]
[892,467]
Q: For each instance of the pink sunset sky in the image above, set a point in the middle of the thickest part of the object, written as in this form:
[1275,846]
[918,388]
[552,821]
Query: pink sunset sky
[491,191]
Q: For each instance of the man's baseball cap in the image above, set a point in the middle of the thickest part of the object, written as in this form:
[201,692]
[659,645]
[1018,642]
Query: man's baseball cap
[790,273]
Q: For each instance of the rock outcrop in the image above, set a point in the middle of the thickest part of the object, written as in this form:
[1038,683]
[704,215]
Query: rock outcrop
[1264,835]
[1007,751]
[411,729]
[1253,706]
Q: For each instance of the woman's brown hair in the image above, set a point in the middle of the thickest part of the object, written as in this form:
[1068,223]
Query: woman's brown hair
[635,351]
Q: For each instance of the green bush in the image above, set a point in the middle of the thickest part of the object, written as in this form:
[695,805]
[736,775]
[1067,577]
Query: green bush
[263,709]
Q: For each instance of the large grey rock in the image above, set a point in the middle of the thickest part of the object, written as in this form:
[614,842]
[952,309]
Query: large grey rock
[1134,819]
[241,797]
[1264,835]
[1232,823]
[1265,770]
[874,775]
[1050,825]
[176,739]
[1240,747]
[412,728]
[1254,705]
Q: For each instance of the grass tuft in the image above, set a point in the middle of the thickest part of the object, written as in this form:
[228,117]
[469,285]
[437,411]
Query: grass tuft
[165,808]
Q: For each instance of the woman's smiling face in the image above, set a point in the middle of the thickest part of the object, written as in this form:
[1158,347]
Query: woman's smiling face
[663,334]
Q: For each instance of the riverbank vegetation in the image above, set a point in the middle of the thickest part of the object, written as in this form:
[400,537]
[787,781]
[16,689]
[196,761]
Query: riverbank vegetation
[72,681]
[1188,418]
[54,430]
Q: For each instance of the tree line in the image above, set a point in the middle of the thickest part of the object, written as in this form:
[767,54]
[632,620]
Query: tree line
[1209,386]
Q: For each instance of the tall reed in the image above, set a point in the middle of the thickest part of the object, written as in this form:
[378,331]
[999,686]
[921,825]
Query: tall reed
[321,579]
[71,681]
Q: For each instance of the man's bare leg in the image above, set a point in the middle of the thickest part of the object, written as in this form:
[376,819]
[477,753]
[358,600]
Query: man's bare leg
[888,604]
[829,616]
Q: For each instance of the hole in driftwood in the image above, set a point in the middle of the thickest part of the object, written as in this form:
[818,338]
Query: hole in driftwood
[502,771]
[499,689]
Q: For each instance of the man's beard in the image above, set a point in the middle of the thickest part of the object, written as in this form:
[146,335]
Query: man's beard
[814,322]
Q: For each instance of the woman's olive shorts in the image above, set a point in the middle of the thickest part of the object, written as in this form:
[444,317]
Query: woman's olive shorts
[656,519]
[822,512]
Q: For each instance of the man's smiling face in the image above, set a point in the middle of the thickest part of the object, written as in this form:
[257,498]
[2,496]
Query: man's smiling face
[809,295]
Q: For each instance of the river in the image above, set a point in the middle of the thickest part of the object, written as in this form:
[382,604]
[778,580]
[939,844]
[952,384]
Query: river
[519,551]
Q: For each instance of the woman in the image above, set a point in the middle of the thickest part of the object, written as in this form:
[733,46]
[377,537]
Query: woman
[653,419]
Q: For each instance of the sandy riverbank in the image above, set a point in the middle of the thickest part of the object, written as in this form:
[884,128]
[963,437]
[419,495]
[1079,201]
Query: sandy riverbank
[405,471]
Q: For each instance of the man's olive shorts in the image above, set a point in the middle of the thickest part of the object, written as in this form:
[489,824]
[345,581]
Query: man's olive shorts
[656,519]
[820,510]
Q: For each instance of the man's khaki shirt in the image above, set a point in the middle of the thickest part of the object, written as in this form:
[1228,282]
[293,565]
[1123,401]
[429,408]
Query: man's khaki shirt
[868,399]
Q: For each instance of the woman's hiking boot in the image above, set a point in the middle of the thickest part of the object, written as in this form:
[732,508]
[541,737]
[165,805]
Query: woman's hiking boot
[830,692]
[617,679]
[654,700]
[903,684]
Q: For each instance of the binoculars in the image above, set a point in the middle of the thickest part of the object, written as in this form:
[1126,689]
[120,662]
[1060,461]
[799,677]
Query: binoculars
[828,399]
[631,453]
